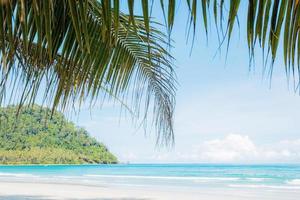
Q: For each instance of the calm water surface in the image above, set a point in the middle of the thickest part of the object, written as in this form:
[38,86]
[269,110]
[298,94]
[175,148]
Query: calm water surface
[285,177]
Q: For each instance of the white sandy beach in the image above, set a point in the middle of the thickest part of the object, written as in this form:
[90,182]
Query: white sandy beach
[49,191]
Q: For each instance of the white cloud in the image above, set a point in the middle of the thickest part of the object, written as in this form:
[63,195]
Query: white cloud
[233,148]
[240,148]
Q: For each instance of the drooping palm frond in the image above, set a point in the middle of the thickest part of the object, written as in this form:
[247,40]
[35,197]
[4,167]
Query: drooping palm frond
[267,22]
[78,49]
[83,47]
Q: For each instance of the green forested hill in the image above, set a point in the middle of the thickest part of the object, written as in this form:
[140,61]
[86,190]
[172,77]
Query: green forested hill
[34,137]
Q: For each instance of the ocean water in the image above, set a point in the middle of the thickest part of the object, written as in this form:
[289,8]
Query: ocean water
[281,177]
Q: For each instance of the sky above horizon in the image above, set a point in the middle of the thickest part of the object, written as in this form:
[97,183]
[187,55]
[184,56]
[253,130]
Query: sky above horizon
[225,113]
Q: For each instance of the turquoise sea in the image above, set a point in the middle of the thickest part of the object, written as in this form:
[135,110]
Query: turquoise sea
[285,177]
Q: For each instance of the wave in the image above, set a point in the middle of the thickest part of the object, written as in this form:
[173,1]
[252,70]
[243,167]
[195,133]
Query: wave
[67,177]
[294,182]
[264,186]
[257,179]
[165,177]
[21,175]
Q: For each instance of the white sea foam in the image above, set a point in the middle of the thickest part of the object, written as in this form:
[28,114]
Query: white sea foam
[257,179]
[68,177]
[264,186]
[21,175]
[166,177]
[294,182]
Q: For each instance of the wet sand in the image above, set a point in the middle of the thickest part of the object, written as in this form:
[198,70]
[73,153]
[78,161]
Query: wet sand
[50,191]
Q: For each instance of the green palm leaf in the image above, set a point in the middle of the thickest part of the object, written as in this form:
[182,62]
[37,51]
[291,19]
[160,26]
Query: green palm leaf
[81,49]
[84,48]
[266,20]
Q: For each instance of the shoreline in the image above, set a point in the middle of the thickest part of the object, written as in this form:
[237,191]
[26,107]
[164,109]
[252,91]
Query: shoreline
[25,165]
[12,190]
[149,182]
[64,191]
[175,163]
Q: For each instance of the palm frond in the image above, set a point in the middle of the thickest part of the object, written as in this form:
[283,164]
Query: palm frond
[80,49]
[267,22]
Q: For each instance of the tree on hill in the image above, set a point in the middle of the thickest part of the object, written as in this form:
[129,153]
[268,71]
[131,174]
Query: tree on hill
[40,137]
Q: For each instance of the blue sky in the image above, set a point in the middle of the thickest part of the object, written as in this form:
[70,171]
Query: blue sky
[224,112]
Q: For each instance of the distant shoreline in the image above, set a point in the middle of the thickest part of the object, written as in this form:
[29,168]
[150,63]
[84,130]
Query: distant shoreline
[125,163]
[3,165]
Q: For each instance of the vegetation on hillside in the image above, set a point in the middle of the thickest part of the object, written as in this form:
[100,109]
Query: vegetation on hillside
[37,137]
